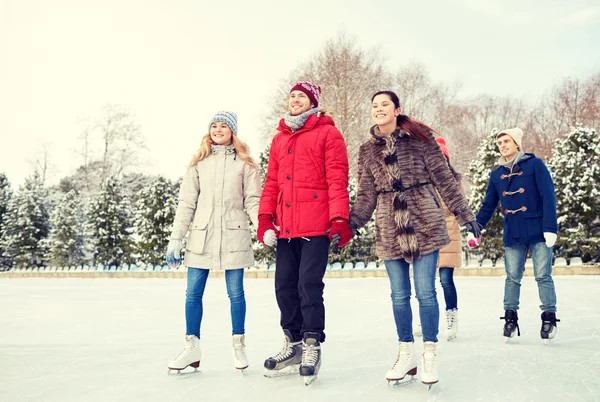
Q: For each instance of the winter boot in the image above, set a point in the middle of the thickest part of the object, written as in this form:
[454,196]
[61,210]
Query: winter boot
[429,369]
[549,328]
[240,361]
[511,324]
[311,357]
[406,362]
[288,360]
[451,324]
[189,356]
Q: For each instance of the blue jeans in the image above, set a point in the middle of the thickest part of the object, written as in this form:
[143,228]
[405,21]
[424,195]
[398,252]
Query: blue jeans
[429,312]
[447,281]
[196,283]
[514,262]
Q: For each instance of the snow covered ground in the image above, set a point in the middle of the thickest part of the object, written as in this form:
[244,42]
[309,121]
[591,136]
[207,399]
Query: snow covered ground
[110,340]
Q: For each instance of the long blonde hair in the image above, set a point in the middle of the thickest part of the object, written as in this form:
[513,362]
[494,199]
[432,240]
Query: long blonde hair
[241,149]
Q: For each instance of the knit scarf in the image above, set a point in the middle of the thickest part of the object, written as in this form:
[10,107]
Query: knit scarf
[512,163]
[222,149]
[405,234]
[297,122]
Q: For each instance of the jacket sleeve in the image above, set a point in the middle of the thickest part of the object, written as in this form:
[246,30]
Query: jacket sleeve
[268,199]
[489,205]
[545,187]
[336,175]
[442,178]
[188,200]
[252,192]
[366,198]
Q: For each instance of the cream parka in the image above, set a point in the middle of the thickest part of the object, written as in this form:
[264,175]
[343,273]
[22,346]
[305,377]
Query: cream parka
[212,199]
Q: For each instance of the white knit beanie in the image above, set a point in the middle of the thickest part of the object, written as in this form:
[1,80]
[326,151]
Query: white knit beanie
[515,133]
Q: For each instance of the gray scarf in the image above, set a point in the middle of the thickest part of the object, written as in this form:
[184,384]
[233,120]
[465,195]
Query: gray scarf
[222,149]
[509,165]
[297,122]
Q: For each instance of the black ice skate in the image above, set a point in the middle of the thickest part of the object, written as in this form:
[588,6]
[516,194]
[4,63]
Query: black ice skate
[311,357]
[511,324]
[287,361]
[549,328]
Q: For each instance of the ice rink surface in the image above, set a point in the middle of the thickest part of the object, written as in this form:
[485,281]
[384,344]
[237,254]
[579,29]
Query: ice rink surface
[111,339]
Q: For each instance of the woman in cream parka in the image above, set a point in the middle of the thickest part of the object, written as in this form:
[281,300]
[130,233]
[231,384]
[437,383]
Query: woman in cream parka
[221,184]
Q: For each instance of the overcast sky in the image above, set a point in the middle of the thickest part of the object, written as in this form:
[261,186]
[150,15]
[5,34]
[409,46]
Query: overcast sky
[174,63]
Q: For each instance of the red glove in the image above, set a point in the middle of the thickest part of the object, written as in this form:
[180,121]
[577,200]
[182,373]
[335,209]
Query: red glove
[343,231]
[265,222]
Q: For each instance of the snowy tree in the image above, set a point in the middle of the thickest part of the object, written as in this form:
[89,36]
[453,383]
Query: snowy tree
[262,253]
[109,225]
[575,169]
[479,171]
[65,242]
[155,213]
[5,195]
[27,224]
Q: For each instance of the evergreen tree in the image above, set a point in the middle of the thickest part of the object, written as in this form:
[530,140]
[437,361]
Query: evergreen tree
[65,242]
[480,168]
[155,214]
[5,195]
[109,225]
[27,224]
[575,169]
[262,253]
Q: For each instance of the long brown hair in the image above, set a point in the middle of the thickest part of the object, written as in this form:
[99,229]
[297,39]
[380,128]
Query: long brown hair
[241,149]
[419,129]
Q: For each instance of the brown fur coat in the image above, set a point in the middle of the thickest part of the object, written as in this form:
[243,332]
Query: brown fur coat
[398,175]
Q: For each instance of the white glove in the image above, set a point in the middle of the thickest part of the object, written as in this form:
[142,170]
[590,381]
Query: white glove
[270,238]
[473,241]
[550,238]
[174,248]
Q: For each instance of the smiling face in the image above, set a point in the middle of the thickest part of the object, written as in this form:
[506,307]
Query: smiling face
[507,146]
[220,133]
[384,113]
[299,103]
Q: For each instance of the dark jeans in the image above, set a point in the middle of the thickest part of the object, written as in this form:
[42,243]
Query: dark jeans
[447,281]
[300,267]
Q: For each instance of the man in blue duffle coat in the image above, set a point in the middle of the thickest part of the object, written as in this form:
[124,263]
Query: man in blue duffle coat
[523,185]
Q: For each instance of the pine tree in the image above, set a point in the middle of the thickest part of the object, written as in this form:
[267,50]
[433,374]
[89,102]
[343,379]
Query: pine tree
[109,226]
[155,214]
[65,242]
[480,168]
[575,169]
[262,253]
[5,195]
[27,224]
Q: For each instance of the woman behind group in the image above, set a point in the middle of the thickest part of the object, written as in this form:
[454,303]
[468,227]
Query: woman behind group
[221,181]
[400,168]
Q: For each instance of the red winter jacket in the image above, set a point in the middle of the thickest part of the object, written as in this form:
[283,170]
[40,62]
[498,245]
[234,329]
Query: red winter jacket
[307,180]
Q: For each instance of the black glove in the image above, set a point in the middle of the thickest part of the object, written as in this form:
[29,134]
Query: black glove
[474,227]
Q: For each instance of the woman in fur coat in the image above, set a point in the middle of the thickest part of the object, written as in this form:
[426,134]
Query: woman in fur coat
[400,167]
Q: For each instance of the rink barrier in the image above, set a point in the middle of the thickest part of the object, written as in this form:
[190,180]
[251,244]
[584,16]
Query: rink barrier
[335,270]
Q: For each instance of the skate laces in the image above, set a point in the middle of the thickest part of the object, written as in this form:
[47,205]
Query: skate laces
[403,356]
[450,319]
[428,358]
[310,354]
[511,323]
[286,351]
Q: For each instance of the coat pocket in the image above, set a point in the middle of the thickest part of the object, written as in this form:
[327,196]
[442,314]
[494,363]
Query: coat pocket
[197,238]
[533,224]
[237,236]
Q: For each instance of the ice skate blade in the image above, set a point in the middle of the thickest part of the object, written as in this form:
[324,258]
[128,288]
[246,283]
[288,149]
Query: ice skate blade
[194,365]
[284,372]
[180,372]
[450,338]
[309,379]
[402,382]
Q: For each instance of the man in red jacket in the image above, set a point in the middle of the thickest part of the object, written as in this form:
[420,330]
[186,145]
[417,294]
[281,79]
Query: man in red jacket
[304,205]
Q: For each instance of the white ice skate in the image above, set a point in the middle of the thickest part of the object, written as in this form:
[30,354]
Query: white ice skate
[451,324]
[240,361]
[189,356]
[429,369]
[406,364]
[417,330]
